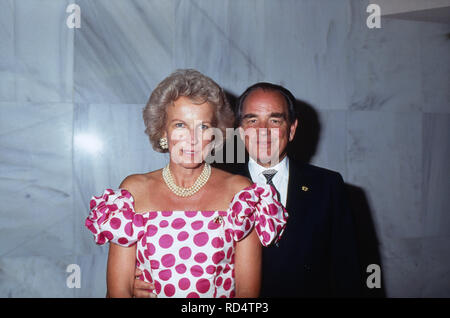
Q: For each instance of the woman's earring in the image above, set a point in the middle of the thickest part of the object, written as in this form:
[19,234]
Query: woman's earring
[163,143]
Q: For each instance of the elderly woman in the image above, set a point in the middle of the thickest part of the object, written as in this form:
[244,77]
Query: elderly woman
[191,230]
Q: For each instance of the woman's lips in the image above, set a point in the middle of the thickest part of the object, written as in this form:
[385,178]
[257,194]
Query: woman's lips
[189,152]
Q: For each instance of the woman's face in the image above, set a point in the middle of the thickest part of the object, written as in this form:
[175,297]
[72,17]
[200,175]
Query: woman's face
[188,133]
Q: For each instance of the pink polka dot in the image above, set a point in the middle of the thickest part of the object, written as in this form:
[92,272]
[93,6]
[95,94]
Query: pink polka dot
[219,281]
[166,241]
[262,220]
[201,239]
[165,274]
[273,210]
[197,225]
[229,252]
[151,249]
[202,285]
[200,257]
[266,237]
[213,224]
[166,213]
[140,257]
[163,223]
[108,235]
[140,234]
[217,242]
[190,214]
[181,268]
[182,236]
[152,230]
[128,214]
[184,283]
[152,215]
[207,214]
[244,196]
[129,229]
[227,284]
[147,275]
[210,269]
[178,223]
[185,252]
[248,225]
[218,256]
[115,223]
[138,220]
[237,207]
[228,235]
[122,241]
[239,234]
[154,264]
[196,271]
[193,295]
[168,260]
[271,225]
[169,290]
[157,287]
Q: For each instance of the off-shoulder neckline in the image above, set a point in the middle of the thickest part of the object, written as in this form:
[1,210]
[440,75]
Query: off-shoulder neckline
[250,187]
[183,211]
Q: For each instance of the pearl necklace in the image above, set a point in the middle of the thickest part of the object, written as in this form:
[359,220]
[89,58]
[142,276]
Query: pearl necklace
[186,192]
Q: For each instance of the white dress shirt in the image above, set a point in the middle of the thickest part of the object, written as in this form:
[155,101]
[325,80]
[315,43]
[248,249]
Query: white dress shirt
[280,179]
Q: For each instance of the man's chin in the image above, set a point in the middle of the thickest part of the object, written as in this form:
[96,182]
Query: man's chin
[267,161]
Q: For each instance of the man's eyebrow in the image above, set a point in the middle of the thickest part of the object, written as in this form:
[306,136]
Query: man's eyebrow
[249,115]
[278,115]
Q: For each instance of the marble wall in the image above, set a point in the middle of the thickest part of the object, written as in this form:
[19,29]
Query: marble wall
[70,121]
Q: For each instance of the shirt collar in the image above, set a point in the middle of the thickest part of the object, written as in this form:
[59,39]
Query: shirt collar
[256,170]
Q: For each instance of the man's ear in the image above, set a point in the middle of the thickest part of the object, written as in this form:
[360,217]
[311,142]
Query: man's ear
[292,130]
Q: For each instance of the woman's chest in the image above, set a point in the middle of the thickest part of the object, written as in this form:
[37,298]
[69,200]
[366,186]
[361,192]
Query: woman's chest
[198,238]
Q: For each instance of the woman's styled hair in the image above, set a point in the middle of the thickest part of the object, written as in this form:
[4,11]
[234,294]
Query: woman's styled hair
[193,85]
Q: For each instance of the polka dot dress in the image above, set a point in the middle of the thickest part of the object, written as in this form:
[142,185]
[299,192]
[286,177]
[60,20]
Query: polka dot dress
[187,253]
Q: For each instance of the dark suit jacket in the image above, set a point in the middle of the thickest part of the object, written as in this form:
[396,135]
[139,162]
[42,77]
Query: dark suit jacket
[317,255]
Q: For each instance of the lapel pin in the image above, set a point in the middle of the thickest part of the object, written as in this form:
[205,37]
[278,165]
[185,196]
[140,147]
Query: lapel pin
[304,188]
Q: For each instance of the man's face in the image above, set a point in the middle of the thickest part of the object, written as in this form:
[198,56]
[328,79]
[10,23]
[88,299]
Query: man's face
[266,129]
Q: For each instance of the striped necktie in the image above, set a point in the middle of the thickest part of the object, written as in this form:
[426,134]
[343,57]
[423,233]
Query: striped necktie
[269,174]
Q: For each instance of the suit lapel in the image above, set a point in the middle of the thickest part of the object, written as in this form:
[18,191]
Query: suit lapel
[294,196]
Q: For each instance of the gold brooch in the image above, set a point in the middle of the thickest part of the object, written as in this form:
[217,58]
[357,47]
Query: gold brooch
[218,220]
[304,188]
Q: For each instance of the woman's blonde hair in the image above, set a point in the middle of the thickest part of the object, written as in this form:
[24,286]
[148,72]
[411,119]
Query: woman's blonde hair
[198,88]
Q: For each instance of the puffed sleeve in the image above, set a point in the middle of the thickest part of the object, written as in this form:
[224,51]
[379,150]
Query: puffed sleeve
[257,206]
[112,218]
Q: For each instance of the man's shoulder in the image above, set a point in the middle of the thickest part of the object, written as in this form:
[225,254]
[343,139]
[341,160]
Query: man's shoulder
[315,172]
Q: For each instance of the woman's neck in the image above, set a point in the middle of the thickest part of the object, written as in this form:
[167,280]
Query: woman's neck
[185,177]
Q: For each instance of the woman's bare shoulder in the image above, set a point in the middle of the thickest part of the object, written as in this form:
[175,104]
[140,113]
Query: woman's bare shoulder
[135,183]
[233,182]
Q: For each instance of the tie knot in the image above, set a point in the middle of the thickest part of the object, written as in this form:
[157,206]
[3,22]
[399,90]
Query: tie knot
[269,174]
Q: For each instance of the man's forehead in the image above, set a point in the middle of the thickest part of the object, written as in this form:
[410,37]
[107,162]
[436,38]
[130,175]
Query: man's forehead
[266,101]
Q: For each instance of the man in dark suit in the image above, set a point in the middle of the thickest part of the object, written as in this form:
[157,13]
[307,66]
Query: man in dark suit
[317,255]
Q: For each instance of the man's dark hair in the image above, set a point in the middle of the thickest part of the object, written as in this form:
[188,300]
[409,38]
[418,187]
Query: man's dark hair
[290,100]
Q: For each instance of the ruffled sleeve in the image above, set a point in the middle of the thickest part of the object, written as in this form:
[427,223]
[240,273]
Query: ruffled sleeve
[112,218]
[257,206]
